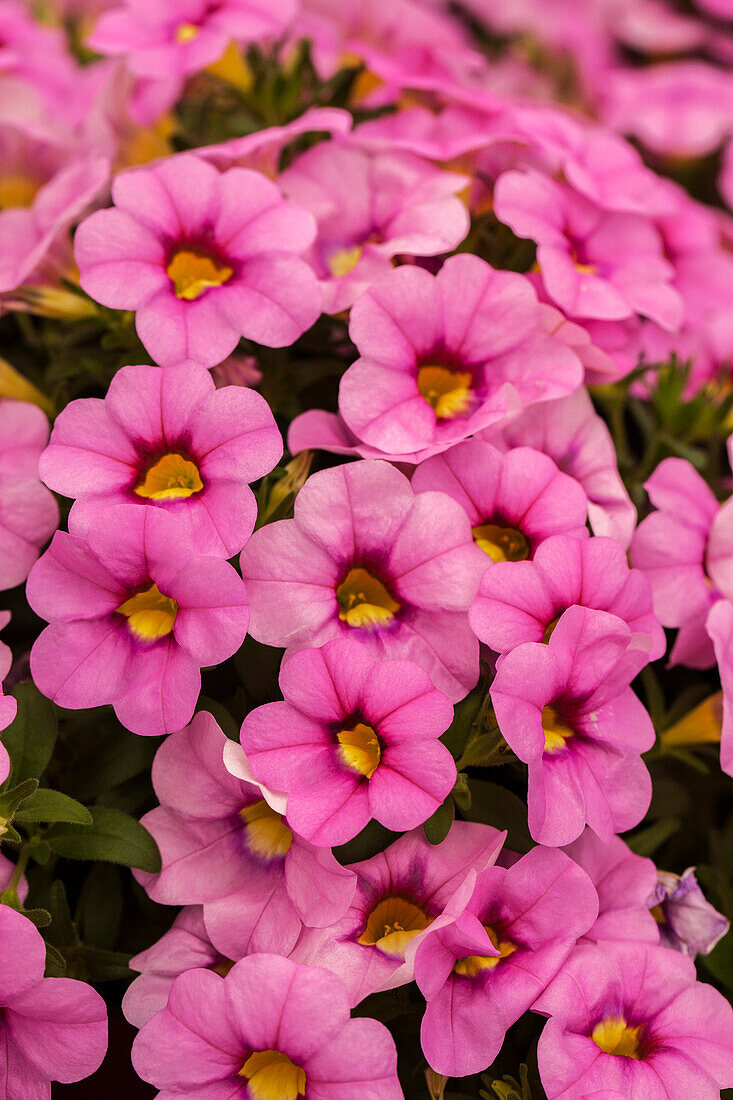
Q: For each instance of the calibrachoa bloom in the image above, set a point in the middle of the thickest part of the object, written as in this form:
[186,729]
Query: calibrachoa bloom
[203,257]
[135,613]
[499,942]
[399,893]
[368,558]
[632,1018]
[356,738]
[719,626]
[28,512]
[8,705]
[445,356]
[687,921]
[369,207]
[51,1029]
[514,501]
[270,1029]
[222,844]
[522,601]
[623,882]
[567,710]
[167,439]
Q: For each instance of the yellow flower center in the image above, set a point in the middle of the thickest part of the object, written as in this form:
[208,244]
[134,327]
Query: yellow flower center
[16,189]
[364,600]
[447,391]
[272,1076]
[501,543]
[345,260]
[171,477]
[550,629]
[150,615]
[267,834]
[186,32]
[555,730]
[392,923]
[614,1036]
[472,965]
[359,749]
[192,274]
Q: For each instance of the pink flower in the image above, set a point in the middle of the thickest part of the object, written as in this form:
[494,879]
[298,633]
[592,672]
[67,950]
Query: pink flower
[167,439]
[496,947]
[445,356]
[28,512]
[366,557]
[687,921]
[355,739]
[521,601]
[399,893]
[51,1029]
[719,628]
[8,705]
[270,1028]
[224,846]
[186,946]
[369,207]
[671,547]
[567,710]
[134,615]
[594,263]
[204,258]
[572,433]
[261,150]
[632,1018]
[623,882]
[181,37]
[514,501]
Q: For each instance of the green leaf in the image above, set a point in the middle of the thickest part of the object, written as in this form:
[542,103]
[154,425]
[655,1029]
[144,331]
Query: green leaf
[31,737]
[113,837]
[494,805]
[461,793]
[437,827]
[373,838]
[55,962]
[647,841]
[465,714]
[53,806]
[719,963]
[11,799]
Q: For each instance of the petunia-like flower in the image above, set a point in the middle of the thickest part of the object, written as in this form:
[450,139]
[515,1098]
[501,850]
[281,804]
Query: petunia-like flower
[445,356]
[370,207]
[719,628]
[594,263]
[687,921]
[399,893]
[175,38]
[355,739]
[28,512]
[622,881]
[632,1018]
[270,1029]
[522,601]
[572,433]
[366,557]
[224,846]
[168,439]
[514,501]
[670,547]
[186,946]
[134,615]
[8,705]
[503,936]
[567,710]
[203,257]
[51,1029]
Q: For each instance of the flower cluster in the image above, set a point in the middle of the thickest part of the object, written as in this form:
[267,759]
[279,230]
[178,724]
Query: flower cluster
[407,678]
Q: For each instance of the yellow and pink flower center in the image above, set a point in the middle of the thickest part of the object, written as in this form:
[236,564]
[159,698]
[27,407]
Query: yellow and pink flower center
[556,731]
[344,260]
[501,543]
[472,965]
[267,835]
[150,615]
[364,600]
[392,923]
[359,749]
[448,392]
[172,477]
[271,1075]
[615,1036]
[186,32]
[193,273]
[17,189]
